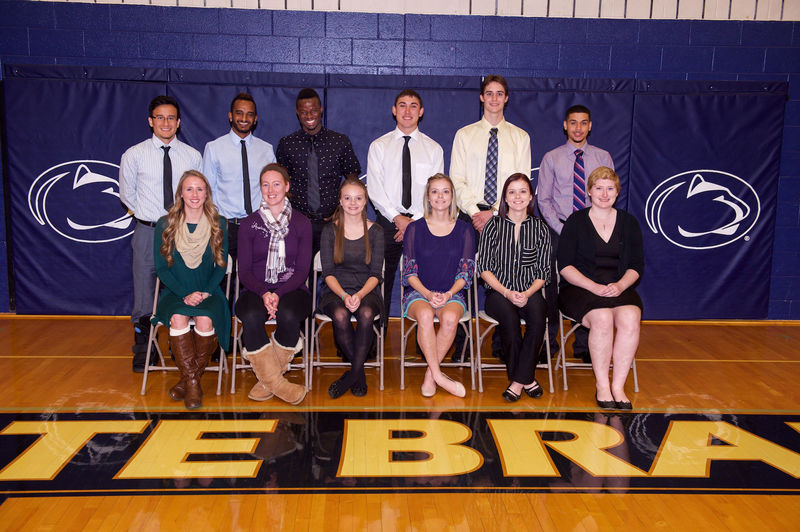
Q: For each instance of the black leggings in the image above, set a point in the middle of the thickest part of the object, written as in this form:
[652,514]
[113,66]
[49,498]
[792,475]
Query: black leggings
[521,352]
[354,343]
[293,309]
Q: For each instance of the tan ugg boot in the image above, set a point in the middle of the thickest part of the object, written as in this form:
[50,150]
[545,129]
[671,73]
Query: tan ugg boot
[259,392]
[269,372]
[283,354]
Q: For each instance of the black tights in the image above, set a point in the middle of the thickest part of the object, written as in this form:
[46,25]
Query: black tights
[354,343]
[293,309]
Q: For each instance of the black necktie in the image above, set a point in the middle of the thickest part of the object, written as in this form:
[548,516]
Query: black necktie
[168,197]
[406,174]
[248,206]
[313,179]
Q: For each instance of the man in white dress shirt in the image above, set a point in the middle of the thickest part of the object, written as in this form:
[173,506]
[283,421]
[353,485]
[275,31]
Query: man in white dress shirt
[233,162]
[148,177]
[398,166]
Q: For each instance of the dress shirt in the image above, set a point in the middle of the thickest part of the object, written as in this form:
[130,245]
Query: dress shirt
[554,190]
[385,171]
[141,175]
[336,160]
[517,262]
[222,166]
[468,160]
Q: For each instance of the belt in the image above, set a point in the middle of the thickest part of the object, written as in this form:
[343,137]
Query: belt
[148,224]
[406,214]
[235,221]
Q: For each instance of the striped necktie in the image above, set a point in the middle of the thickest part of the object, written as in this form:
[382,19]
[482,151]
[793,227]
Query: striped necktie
[490,186]
[578,183]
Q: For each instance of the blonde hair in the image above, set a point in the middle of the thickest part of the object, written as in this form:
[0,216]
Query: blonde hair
[176,217]
[426,202]
[338,224]
[602,172]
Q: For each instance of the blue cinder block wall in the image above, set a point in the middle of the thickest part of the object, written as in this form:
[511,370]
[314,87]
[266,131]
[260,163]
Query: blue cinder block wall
[365,43]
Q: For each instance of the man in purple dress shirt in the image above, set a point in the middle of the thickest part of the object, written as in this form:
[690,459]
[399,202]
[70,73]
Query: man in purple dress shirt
[555,196]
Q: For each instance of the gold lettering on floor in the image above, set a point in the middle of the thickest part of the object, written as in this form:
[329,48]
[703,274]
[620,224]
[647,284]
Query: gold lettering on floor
[369,446]
[164,453]
[524,453]
[58,443]
[687,451]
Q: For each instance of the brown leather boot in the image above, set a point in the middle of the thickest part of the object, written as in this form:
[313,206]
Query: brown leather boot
[205,346]
[184,350]
[270,372]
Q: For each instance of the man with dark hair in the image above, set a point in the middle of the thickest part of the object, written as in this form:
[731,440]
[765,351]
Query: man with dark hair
[148,176]
[562,190]
[233,162]
[318,159]
[398,167]
[484,155]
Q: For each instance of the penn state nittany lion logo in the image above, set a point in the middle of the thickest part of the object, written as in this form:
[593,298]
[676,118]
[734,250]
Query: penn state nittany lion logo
[80,201]
[702,209]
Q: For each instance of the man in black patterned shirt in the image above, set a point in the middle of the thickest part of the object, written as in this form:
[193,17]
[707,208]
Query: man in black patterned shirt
[318,159]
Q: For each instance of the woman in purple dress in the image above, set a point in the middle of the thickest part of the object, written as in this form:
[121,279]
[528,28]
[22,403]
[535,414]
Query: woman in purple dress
[274,261]
[438,264]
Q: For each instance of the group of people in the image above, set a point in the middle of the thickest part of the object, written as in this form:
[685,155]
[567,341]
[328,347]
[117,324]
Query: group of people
[272,212]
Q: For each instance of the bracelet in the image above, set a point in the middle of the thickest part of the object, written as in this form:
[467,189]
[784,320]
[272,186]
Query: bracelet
[344,295]
[505,294]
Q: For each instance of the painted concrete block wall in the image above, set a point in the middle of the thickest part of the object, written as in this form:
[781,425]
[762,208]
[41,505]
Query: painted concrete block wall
[385,43]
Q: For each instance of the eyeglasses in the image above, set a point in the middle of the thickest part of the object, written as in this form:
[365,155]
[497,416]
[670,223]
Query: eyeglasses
[162,118]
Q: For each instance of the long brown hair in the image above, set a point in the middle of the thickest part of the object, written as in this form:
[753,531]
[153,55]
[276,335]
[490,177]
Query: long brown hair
[338,224]
[502,210]
[176,217]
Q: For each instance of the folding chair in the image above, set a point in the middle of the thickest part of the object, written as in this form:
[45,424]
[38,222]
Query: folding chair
[152,340]
[480,365]
[562,357]
[464,322]
[239,362]
[322,318]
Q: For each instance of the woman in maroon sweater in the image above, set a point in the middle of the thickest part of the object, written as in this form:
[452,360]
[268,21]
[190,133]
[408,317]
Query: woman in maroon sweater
[274,261]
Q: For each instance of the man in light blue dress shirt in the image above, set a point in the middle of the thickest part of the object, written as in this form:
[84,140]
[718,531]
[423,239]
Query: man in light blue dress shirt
[223,166]
[143,190]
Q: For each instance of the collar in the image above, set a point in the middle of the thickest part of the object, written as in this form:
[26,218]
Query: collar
[485,124]
[236,139]
[570,147]
[158,143]
[399,134]
[306,136]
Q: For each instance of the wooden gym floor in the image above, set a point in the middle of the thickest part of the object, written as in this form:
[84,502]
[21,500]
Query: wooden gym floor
[713,442]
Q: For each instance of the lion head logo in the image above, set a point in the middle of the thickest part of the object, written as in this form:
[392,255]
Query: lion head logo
[79,201]
[702,209]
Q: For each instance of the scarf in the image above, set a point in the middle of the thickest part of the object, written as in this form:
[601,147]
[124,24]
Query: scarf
[191,246]
[278,229]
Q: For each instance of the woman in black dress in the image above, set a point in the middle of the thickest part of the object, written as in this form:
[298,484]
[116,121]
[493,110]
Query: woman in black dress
[600,258]
[351,252]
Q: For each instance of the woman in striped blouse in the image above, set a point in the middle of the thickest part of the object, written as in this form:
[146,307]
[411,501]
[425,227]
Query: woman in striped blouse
[513,260]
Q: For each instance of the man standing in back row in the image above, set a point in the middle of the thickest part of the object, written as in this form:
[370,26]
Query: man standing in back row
[317,159]
[484,155]
[561,191]
[398,167]
[148,176]
[232,164]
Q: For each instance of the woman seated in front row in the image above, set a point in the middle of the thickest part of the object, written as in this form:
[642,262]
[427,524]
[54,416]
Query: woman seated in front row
[351,252]
[191,255]
[600,257]
[274,261]
[438,263]
[513,260]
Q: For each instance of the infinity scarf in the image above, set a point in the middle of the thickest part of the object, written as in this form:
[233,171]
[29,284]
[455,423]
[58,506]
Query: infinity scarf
[191,246]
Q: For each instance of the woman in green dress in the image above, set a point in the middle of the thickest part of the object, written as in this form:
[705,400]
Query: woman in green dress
[191,253]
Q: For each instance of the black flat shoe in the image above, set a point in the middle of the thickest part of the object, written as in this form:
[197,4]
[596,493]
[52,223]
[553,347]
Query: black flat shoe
[358,389]
[534,391]
[510,396]
[607,405]
[337,389]
[622,405]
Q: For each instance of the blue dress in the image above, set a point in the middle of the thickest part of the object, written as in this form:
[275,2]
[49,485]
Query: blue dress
[437,260]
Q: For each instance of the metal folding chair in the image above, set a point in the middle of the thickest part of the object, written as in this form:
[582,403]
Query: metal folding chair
[320,319]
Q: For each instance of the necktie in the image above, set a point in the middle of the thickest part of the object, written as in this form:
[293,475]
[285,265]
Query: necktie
[578,183]
[248,207]
[490,187]
[406,174]
[313,179]
[167,180]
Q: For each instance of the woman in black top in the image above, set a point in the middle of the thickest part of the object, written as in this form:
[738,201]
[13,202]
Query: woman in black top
[351,251]
[600,257]
[513,260]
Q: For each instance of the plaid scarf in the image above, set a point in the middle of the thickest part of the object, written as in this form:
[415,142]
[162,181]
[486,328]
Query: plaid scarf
[278,229]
